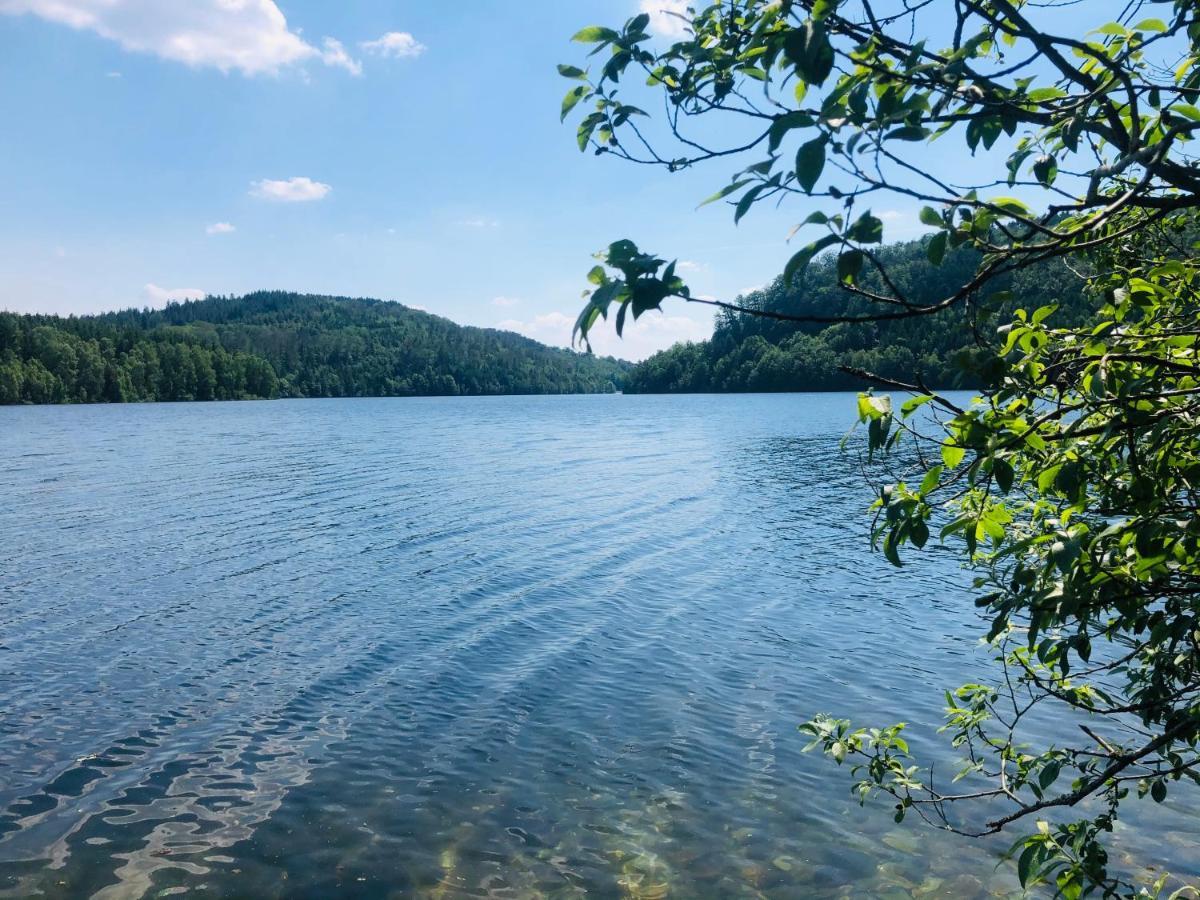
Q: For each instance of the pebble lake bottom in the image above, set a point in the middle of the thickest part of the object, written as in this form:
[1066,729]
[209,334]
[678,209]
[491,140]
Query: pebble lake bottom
[470,647]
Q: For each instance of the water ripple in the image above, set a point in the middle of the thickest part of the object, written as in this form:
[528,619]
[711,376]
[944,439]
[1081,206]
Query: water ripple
[491,647]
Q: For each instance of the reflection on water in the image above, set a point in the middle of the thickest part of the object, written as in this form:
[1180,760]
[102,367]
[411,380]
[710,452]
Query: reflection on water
[502,647]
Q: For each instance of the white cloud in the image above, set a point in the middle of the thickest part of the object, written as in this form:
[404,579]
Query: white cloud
[113,74]
[687,265]
[290,190]
[901,224]
[396,44]
[156,294]
[652,332]
[665,17]
[220,228]
[60,252]
[552,328]
[477,222]
[335,54]
[249,36]
[505,301]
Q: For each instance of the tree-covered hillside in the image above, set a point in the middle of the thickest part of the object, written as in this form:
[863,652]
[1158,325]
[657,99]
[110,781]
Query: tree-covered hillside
[276,344]
[753,353]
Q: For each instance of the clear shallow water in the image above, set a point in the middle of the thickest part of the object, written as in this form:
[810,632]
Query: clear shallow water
[463,647]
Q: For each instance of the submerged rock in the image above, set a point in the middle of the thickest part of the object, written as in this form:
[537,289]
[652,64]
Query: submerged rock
[903,841]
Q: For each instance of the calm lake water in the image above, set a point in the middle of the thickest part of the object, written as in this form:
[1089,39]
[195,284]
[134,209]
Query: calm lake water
[500,647]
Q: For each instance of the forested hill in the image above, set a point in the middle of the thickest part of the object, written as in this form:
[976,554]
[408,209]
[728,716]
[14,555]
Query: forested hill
[751,353]
[275,344]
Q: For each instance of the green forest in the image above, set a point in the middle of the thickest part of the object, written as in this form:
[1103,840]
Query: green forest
[276,344]
[751,353]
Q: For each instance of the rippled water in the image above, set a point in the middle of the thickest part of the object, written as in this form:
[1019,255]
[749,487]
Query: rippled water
[462,647]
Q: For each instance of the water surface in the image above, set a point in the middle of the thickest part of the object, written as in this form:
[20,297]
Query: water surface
[497,647]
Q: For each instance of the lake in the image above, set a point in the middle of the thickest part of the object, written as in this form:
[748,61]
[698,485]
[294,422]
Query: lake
[476,647]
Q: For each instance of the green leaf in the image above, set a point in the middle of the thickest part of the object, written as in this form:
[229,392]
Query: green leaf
[726,191]
[638,23]
[822,9]
[919,534]
[785,123]
[571,72]
[1025,863]
[952,455]
[1150,25]
[911,405]
[1003,473]
[810,162]
[810,51]
[1158,790]
[586,127]
[936,251]
[908,133]
[1045,169]
[1043,312]
[1012,205]
[931,480]
[594,34]
[802,258]
[867,229]
[1047,477]
[890,551]
[873,406]
[849,265]
[574,95]
[930,216]
[1044,95]
[747,201]
[1049,774]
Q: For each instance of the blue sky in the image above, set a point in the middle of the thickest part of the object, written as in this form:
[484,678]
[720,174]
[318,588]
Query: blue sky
[386,148]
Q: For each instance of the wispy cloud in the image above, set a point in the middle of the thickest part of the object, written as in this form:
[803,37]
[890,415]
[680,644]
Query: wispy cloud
[477,222]
[157,295]
[901,224]
[649,334]
[248,36]
[289,190]
[668,18]
[505,301]
[220,228]
[334,54]
[395,44]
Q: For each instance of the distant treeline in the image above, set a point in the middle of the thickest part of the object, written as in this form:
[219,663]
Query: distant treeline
[275,344]
[752,353]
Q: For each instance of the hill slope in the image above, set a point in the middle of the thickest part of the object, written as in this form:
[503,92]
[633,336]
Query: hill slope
[749,353]
[276,344]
